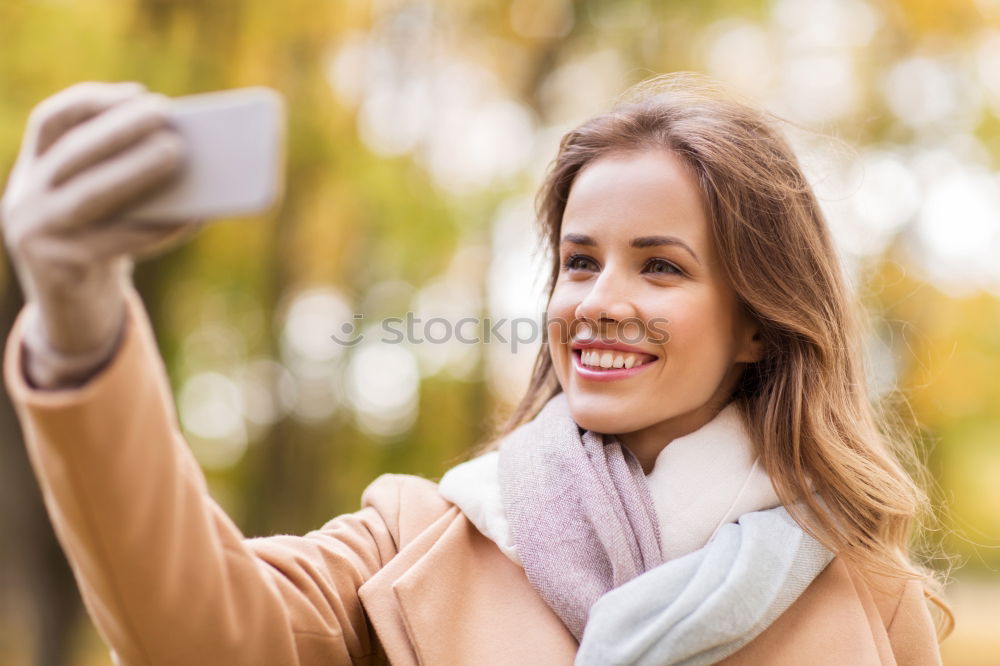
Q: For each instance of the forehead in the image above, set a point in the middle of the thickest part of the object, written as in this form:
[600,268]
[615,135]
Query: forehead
[636,194]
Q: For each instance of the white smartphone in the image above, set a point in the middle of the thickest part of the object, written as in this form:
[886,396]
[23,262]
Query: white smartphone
[235,157]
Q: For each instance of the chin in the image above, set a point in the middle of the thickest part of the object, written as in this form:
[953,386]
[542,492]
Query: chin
[605,420]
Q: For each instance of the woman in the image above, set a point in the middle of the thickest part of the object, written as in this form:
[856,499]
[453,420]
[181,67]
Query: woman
[694,476]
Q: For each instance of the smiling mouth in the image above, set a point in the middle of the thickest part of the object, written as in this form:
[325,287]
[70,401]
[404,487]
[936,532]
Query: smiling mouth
[611,359]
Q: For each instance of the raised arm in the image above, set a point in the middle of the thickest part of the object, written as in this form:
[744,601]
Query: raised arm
[165,574]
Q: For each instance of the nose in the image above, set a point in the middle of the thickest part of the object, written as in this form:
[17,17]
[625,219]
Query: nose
[608,301]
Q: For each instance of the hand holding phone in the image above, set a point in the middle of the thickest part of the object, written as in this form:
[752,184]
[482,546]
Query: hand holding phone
[109,173]
[234,157]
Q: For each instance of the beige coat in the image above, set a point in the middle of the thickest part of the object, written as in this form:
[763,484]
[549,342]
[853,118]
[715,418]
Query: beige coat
[169,579]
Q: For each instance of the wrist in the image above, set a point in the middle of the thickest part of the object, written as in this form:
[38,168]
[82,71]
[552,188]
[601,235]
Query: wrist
[47,367]
[76,320]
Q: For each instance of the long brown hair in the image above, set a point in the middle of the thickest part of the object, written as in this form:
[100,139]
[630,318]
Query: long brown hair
[806,402]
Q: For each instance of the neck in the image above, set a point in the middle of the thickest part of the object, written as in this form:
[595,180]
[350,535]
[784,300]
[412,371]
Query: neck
[647,443]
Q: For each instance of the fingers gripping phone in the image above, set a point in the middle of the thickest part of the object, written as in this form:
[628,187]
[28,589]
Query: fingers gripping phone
[234,164]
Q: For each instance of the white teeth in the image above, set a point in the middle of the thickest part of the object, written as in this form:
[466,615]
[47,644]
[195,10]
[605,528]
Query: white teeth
[608,360]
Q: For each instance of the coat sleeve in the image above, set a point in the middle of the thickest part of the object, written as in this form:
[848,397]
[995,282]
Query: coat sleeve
[165,574]
[911,631]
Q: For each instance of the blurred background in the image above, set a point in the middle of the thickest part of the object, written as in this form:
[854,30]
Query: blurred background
[418,133]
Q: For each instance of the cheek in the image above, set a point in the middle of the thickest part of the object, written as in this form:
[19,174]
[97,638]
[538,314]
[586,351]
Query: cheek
[701,333]
[557,307]
[558,319]
[563,302]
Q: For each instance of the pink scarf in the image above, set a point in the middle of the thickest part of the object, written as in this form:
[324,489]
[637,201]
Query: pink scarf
[579,509]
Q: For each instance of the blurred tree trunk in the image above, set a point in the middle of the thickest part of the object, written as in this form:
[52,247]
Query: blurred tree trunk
[37,576]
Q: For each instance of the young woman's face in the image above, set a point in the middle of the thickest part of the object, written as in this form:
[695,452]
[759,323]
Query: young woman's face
[641,290]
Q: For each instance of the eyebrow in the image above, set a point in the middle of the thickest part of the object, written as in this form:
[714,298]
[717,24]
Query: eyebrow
[637,242]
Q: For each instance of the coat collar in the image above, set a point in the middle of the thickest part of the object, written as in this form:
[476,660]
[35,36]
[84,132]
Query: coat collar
[451,596]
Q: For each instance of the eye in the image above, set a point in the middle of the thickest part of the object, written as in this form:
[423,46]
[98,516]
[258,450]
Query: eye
[578,262]
[663,267]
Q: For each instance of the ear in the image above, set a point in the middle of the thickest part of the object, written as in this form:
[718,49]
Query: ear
[751,343]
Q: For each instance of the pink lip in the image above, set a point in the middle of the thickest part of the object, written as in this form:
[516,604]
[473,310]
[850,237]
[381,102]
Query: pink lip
[608,375]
